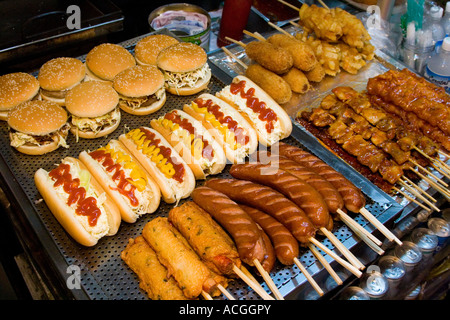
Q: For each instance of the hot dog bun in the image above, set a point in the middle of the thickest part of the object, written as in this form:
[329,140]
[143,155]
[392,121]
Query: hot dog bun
[173,176]
[78,225]
[193,142]
[267,117]
[124,179]
[228,127]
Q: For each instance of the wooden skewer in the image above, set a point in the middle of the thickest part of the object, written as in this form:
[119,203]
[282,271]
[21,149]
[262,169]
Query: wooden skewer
[444,154]
[445,167]
[388,234]
[342,249]
[236,42]
[429,173]
[418,195]
[289,5]
[225,292]
[338,259]
[252,284]
[323,4]
[280,29]
[308,277]
[432,183]
[417,188]
[255,35]
[206,295]
[360,228]
[325,264]
[268,280]
[295,24]
[412,199]
[228,52]
[442,171]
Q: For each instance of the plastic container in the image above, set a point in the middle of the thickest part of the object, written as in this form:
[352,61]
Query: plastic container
[446,19]
[435,25]
[437,70]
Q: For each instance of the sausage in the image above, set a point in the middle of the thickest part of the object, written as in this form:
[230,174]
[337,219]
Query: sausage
[353,198]
[297,190]
[284,243]
[297,80]
[273,58]
[236,221]
[173,251]
[268,200]
[330,194]
[212,244]
[270,258]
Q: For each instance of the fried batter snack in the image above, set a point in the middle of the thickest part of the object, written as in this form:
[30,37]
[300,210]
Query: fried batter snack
[328,55]
[316,74]
[153,276]
[297,80]
[273,58]
[351,59]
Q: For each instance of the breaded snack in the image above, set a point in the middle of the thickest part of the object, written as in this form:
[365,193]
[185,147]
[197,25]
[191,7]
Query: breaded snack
[273,84]
[153,276]
[316,74]
[273,58]
[297,80]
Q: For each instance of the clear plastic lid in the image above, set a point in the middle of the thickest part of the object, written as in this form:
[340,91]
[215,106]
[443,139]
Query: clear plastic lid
[446,44]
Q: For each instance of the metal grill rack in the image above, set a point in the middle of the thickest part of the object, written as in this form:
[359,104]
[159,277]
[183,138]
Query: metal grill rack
[104,276]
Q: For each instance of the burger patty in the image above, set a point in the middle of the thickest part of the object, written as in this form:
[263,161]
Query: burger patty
[19,138]
[140,102]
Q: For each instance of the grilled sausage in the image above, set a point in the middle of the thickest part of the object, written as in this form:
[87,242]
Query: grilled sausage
[284,243]
[236,221]
[268,200]
[270,258]
[353,198]
[297,190]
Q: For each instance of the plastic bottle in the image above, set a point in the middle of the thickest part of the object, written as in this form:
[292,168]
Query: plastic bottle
[437,70]
[434,24]
[446,19]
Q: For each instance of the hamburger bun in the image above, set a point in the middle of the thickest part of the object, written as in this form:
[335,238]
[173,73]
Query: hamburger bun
[16,88]
[58,75]
[106,60]
[38,118]
[141,89]
[148,48]
[189,60]
[92,99]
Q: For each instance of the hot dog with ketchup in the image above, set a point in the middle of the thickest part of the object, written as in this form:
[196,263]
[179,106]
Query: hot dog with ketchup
[192,141]
[124,180]
[267,117]
[173,176]
[78,201]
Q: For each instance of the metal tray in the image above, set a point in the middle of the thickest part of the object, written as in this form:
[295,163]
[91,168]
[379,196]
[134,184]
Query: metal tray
[104,276]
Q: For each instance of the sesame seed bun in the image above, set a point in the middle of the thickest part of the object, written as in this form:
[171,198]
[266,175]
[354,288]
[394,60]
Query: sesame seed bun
[16,88]
[91,99]
[181,57]
[106,60]
[148,48]
[139,81]
[37,117]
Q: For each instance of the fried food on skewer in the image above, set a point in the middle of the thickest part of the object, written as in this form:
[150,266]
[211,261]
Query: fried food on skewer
[273,58]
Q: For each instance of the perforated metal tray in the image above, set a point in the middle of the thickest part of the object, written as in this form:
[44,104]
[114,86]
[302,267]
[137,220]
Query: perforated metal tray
[103,274]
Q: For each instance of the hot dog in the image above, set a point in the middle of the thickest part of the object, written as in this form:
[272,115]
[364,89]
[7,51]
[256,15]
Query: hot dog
[353,198]
[192,141]
[124,179]
[213,245]
[297,190]
[284,243]
[270,121]
[270,257]
[226,125]
[236,221]
[175,253]
[268,200]
[173,176]
[78,201]
[329,193]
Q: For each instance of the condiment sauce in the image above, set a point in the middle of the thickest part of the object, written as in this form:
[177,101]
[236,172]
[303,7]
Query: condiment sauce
[232,125]
[123,185]
[264,113]
[85,206]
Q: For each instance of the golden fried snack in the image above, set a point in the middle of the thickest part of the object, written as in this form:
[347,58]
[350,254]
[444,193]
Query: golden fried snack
[271,57]
[206,237]
[153,276]
[191,274]
[327,54]
[297,80]
[274,85]
[354,32]
[351,59]
[321,21]
[316,74]
[303,55]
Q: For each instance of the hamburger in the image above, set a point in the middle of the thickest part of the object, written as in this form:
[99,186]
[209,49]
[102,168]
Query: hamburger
[37,127]
[93,108]
[16,88]
[141,89]
[148,48]
[185,68]
[57,76]
[106,60]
